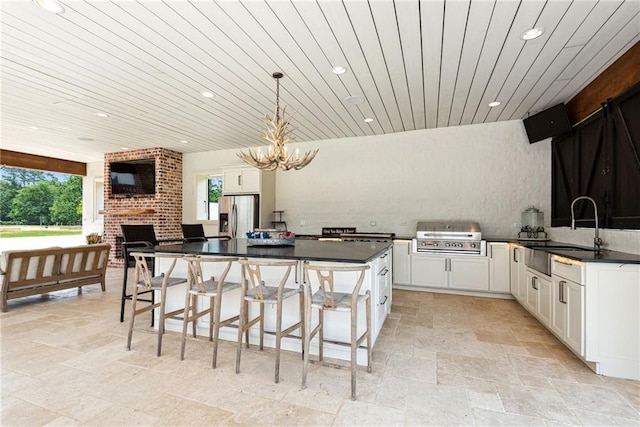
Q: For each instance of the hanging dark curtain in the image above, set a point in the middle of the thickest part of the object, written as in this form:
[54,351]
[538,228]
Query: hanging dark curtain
[600,158]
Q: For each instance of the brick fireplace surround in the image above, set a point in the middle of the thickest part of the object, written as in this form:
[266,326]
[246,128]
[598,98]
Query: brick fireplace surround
[164,210]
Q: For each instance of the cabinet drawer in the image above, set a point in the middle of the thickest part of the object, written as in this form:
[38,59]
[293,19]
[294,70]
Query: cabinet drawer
[566,269]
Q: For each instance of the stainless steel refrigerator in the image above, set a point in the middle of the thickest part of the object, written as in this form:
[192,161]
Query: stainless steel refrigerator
[238,215]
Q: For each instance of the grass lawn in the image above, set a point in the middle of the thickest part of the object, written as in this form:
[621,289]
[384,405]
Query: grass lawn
[37,233]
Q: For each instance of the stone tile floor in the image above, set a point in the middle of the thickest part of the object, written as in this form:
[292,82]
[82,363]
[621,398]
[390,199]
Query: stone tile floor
[440,360]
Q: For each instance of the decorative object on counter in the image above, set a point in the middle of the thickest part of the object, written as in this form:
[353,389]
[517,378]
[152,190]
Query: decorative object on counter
[337,231]
[597,241]
[270,237]
[93,238]
[278,134]
[532,225]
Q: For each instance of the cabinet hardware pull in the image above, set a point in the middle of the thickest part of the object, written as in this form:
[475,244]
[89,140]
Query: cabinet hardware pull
[515,255]
[562,262]
[534,283]
[384,300]
[563,284]
[384,272]
[239,179]
[384,256]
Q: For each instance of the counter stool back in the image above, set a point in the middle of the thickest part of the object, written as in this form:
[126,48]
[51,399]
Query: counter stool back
[211,288]
[195,233]
[325,298]
[147,282]
[254,290]
[136,236]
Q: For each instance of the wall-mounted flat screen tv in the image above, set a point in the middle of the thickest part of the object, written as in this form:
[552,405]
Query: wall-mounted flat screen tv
[133,177]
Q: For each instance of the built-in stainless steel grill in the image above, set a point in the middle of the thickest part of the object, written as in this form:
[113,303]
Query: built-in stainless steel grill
[449,237]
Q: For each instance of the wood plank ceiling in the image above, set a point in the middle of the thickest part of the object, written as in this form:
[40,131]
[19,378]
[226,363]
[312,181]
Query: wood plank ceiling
[416,64]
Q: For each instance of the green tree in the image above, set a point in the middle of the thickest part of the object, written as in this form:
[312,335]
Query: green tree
[20,178]
[215,189]
[67,205]
[7,193]
[32,204]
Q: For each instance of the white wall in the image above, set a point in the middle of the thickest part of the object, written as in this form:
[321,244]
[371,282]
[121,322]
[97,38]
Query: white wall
[487,173]
[92,221]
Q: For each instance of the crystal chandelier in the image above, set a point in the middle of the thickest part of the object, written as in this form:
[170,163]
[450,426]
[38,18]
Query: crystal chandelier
[278,135]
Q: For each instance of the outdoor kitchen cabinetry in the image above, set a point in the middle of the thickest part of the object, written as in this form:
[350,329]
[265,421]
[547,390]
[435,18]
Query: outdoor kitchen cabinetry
[567,317]
[241,180]
[538,295]
[402,262]
[462,272]
[517,272]
[499,267]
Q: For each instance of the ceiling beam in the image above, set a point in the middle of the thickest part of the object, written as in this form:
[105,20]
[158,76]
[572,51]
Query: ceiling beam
[612,82]
[31,161]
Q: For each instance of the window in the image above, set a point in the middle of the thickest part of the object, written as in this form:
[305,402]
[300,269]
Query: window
[208,191]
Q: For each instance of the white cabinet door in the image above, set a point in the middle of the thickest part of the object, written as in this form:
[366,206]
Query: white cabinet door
[517,270]
[544,300]
[574,296]
[522,270]
[427,270]
[251,180]
[402,262]
[469,273]
[558,307]
[232,181]
[530,293]
[499,267]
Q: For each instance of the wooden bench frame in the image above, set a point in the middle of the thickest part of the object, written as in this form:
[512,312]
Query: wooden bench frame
[39,271]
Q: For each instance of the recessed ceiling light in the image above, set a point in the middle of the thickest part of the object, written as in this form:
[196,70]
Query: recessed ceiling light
[184,141]
[339,69]
[354,100]
[494,103]
[84,138]
[207,94]
[533,33]
[124,148]
[100,114]
[368,119]
[50,5]
[33,127]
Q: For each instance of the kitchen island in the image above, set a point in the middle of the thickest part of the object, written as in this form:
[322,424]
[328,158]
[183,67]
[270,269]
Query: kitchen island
[378,280]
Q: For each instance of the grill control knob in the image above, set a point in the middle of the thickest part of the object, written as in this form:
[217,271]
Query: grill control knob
[435,244]
[447,244]
[473,245]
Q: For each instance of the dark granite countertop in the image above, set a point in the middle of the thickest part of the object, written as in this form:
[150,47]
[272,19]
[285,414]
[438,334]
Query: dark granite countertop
[312,250]
[571,251]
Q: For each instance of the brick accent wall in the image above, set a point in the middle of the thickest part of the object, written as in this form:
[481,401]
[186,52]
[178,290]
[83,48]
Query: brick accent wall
[166,203]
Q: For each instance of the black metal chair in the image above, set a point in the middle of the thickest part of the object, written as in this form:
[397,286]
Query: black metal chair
[195,233]
[137,236]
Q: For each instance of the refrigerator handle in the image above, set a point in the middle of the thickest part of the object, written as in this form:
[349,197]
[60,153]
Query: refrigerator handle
[234,221]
